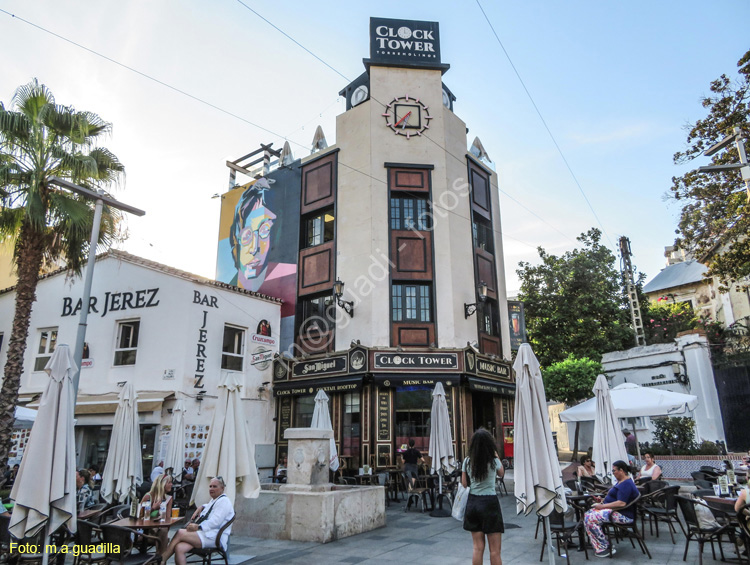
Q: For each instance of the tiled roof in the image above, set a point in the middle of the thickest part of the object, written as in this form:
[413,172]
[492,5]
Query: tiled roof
[135,260]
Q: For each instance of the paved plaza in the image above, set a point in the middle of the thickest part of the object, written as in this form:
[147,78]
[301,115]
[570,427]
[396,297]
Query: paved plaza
[415,537]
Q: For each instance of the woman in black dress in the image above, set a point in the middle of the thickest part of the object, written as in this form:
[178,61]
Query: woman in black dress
[483,516]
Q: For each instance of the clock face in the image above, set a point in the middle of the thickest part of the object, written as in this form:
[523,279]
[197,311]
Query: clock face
[404,32]
[407,116]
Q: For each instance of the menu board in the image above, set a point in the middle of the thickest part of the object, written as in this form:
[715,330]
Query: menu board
[195,440]
[285,416]
[384,415]
[723,485]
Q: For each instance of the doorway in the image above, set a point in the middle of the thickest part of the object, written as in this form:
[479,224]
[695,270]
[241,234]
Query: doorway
[483,407]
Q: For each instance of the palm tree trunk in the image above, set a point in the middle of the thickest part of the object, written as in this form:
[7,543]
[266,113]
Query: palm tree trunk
[31,249]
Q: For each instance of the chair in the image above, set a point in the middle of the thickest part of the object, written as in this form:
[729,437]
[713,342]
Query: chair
[704,484]
[37,540]
[4,537]
[699,476]
[627,530]
[414,494]
[702,535]
[113,513]
[500,485]
[572,484]
[87,534]
[121,549]
[562,532]
[206,553]
[660,506]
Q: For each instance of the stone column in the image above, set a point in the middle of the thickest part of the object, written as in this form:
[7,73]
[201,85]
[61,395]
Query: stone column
[308,459]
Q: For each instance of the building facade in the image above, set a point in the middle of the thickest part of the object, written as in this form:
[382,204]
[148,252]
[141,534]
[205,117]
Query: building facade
[390,244]
[172,334]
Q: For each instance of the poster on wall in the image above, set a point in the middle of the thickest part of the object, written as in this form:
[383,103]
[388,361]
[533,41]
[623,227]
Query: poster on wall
[195,440]
[259,241]
[517,324]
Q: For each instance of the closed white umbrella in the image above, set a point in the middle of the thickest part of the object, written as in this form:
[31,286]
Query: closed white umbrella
[609,443]
[321,418]
[45,490]
[537,474]
[441,444]
[229,452]
[633,401]
[175,449]
[123,470]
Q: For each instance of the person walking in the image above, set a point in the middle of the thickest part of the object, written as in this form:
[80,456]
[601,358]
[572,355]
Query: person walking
[483,517]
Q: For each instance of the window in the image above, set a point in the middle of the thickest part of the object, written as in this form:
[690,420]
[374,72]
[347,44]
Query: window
[233,349]
[351,433]
[318,229]
[318,314]
[488,319]
[408,213]
[127,342]
[483,235]
[303,411]
[413,412]
[47,342]
[411,303]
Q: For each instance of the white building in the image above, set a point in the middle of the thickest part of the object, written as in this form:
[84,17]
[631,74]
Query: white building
[171,333]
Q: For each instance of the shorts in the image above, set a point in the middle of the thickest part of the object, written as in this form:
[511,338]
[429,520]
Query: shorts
[483,514]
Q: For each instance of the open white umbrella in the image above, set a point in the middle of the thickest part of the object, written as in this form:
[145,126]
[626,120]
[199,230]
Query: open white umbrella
[45,490]
[609,443]
[441,444]
[123,470]
[229,451]
[175,449]
[321,418]
[538,478]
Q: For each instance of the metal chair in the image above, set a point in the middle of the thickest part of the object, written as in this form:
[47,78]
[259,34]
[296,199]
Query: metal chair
[87,534]
[654,485]
[660,506]
[695,532]
[414,494]
[626,530]
[113,513]
[206,553]
[562,532]
[120,542]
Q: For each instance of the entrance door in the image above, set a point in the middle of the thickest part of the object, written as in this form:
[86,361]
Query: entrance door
[483,408]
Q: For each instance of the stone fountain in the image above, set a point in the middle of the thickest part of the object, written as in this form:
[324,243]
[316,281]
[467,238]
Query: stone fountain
[308,507]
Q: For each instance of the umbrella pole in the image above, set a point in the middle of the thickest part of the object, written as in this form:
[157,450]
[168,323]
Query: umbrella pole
[439,511]
[47,541]
[550,549]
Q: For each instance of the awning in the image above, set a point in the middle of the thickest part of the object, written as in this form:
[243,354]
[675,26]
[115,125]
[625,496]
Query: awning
[493,387]
[307,387]
[25,398]
[419,379]
[107,403]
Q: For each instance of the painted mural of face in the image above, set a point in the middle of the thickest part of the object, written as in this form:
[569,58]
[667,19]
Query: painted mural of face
[255,241]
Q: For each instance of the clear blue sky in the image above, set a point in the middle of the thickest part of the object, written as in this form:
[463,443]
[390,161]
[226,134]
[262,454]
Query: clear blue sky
[615,82]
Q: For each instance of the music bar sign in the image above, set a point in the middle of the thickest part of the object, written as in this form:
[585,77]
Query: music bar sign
[321,367]
[416,361]
[493,369]
[404,41]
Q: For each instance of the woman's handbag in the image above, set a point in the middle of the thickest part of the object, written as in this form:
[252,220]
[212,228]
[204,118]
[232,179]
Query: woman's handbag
[462,497]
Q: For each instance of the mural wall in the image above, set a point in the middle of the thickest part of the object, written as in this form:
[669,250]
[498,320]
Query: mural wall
[259,241]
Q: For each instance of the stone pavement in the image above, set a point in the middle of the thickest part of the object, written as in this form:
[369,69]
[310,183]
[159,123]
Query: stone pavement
[414,537]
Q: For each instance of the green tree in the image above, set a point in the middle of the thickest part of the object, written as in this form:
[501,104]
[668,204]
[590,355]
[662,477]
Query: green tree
[575,303]
[677,434]
[715,215]
[571,381]
[662,321]
[40,139]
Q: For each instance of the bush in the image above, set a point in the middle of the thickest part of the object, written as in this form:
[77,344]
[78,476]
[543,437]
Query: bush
[707,448]
[674,436]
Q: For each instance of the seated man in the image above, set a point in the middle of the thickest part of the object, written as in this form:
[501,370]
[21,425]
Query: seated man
[204,525]
[620,495]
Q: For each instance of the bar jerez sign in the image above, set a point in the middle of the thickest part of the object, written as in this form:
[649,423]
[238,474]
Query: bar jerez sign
[404,41]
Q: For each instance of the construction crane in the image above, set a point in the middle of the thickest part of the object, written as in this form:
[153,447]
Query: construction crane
[635,308]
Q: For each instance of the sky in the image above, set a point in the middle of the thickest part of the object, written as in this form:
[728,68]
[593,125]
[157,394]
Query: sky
[615,84]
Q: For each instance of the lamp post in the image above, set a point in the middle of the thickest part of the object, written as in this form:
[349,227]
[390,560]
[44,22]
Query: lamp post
[470,309]
[338,292]
[100,200]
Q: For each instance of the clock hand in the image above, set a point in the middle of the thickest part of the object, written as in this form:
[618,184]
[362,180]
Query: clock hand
[405,119]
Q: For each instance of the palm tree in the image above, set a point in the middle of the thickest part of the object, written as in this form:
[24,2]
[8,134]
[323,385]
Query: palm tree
[40,139]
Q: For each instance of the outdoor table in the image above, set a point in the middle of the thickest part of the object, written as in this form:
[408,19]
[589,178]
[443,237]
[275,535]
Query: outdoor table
[364,479]
[134,524]
[88,514]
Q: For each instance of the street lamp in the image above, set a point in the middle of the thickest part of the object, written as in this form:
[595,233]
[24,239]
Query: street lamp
[338,292]
[742,166]
[470,309]
[100,199]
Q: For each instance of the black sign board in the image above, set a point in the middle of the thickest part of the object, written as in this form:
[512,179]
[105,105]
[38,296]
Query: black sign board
[517,323]
[415,361]
[482,385]
[404,41]
[308,387]
[384,415]
[481,365]
[321,367]
[391,380]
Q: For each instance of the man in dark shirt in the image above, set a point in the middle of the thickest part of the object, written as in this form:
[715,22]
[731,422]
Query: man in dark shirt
[412,457]
[608,510]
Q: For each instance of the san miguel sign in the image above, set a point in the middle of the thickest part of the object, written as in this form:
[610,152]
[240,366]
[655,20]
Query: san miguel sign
[321,367]
[404,41]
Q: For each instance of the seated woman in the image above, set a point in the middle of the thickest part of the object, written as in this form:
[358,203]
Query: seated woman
[160,492]
[204,525]
[280,474]
[620,495]
[742,498]
[650,470]
[587,467]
